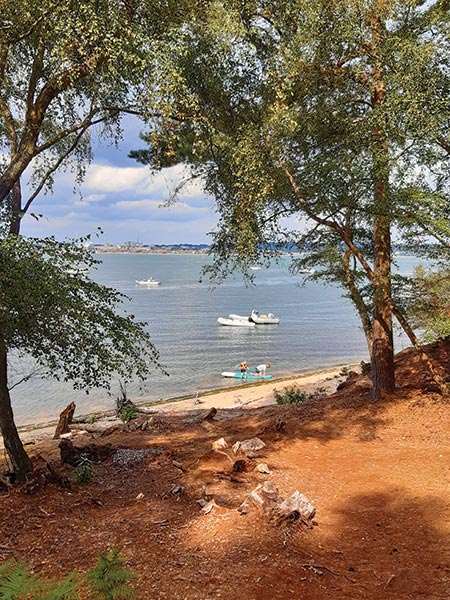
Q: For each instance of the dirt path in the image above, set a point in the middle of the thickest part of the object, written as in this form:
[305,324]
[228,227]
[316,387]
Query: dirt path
[378,475]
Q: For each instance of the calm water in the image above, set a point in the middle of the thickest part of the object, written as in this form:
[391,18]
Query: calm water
[318,329]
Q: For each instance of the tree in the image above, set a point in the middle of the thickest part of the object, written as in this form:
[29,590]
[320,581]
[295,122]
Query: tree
[68,323]
[331,111]
[67,66]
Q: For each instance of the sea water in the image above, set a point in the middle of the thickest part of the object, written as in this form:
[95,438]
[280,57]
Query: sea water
[318,329]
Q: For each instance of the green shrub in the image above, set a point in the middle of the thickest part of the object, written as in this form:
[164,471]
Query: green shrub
[291,394]
[84,471]
[127,412]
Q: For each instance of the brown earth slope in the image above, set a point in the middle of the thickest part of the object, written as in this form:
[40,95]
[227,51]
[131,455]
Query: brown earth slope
[378,475]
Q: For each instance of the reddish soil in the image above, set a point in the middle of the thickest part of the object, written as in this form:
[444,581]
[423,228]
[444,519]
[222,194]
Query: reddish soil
[378,474]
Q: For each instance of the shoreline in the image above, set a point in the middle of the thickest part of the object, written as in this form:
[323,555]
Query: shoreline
[249,394]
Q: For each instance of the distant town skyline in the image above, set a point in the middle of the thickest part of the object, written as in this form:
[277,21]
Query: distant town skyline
[124,199]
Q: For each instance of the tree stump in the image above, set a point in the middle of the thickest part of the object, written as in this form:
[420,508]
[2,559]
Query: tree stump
[65,419]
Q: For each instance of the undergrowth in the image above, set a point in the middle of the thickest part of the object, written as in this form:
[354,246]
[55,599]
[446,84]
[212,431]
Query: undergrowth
[292,394]
[108,580]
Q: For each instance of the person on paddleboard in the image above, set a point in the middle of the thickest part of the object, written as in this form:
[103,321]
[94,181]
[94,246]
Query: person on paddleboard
[262,369]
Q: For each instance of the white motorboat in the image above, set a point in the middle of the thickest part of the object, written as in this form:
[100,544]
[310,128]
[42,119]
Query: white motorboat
[238,317]
[307,271]
[79,271]
[235,322]
[149,281]
[255,268]
[264,319]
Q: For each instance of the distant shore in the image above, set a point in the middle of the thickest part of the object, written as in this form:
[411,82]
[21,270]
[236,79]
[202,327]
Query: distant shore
[248,395]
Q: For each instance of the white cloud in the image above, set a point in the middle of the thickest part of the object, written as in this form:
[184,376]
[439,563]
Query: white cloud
[155,210]
[93,198]
[102,178]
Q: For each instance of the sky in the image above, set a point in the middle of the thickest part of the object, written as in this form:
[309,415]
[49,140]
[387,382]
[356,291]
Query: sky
[124,199]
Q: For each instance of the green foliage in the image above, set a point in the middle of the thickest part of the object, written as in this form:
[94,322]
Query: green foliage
[70,324]
[109,579]
[128,412]
[126,409]
[17,583]
[68,67]
[292,394]
[300,113]
[84,472]
[429,303]
[15,580]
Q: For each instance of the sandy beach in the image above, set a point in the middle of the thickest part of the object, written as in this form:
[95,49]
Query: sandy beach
[244,395]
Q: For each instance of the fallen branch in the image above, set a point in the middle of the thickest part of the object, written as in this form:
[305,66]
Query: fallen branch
[309,566]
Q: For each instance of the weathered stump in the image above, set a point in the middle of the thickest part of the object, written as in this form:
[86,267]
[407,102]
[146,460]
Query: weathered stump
[65,419]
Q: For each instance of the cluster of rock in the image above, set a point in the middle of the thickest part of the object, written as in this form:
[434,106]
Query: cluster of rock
[265,496]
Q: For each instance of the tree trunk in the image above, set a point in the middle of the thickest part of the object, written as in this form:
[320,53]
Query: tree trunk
[20,461]
[16,209]
[383,378]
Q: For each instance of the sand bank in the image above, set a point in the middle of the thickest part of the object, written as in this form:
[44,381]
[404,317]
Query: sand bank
[249,394]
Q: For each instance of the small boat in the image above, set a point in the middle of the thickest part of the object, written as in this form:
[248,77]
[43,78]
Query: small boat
[255,268]
[235,322]
[306,271]
[269,319]
[238,317]
[79,271]
[148,281]
[248,376]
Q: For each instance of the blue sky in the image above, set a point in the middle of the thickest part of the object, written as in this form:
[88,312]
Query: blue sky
[124,199]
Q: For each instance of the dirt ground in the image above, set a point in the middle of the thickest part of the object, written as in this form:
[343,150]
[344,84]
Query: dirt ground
[377,473]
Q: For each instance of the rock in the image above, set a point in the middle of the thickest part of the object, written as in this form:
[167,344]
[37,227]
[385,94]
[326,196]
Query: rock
[249,447]
[265,495]
[208,507]
[67,436]
[244,507]
[262,468]
[297,505]
[202,502]
[219,444]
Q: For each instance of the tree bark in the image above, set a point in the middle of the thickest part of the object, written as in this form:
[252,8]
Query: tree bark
[382,359]
[16,209]
[383,379]
[20,461]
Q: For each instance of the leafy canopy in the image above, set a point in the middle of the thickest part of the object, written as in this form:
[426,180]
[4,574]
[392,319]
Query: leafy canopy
[72,326]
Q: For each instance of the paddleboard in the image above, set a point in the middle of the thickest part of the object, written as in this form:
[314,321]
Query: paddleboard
[238,375]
